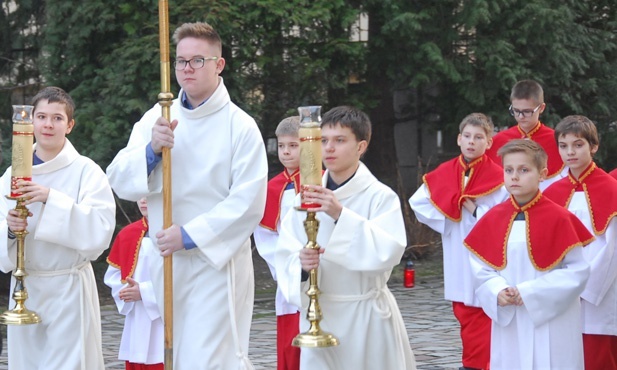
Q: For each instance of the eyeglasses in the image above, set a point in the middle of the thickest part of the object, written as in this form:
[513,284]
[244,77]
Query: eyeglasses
[524,113]
[195,63]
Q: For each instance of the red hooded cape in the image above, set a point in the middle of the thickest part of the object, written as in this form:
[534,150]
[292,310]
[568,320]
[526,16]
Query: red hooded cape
[541,134]
[600,190]
[447,188]
[125,249]
[276,187]
[552,231]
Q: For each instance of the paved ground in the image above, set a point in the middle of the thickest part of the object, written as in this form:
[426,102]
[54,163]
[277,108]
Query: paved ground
[432,328]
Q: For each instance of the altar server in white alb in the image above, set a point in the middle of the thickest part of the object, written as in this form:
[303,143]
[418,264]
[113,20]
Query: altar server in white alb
[71,222]
[141,346]
[219,180]
[591,194]
[282,190]
[362,237]
[529,269]
[450,200]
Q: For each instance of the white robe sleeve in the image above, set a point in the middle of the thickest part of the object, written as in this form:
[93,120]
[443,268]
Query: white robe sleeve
[8,247]
[148,298]
[222,231]
[488,283]
[487,202]
[369,244]
[265,242]
[86,224]
[603,274]
[425,211]
[112,280]
[128,172]
[287,257]
[547,296]
[146,287]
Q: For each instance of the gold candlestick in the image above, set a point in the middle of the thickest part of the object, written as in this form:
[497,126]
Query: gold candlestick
[23,135]
[310,174]
[165,101]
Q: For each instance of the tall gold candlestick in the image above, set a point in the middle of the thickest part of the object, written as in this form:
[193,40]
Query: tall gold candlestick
[310,174]
[23,137]
[165,101]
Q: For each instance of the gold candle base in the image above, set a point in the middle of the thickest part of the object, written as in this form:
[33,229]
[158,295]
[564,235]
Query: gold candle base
[322,340]
[314,337]
[20,315]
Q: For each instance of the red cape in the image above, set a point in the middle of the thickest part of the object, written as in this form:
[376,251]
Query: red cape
[613,173]
[446,183]
[276,187]
[125,250]
[541,134]
[552,231]
[600,190]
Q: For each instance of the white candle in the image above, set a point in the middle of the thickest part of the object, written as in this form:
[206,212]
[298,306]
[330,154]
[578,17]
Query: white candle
[23,138]
[310,148]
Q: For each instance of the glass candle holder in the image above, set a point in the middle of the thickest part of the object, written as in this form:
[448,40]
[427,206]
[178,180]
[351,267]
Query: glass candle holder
[310,149]
[23,138]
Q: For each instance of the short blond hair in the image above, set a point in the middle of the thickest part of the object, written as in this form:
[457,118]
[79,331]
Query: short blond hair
[531,148]
[477,120]
[198,30]
[290,126]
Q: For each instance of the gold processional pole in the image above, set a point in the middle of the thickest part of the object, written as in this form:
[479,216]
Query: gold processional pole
[23,136]
[165,100]
[310,174]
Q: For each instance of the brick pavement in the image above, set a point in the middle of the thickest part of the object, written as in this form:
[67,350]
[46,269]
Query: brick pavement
[432,328]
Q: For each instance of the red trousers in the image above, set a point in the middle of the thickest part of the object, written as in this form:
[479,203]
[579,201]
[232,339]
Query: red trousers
[475,335]
[133,366]
[288,356]
[600,352]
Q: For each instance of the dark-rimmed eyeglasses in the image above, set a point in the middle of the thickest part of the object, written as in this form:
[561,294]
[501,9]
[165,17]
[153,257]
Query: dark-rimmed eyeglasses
[523,113]
[195,63]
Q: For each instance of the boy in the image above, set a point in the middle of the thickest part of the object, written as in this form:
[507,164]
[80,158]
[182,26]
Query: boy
[529,270]
[527,103]
[141,346]
[70,223]
[451,199]
[591,194]
[220,174]
[362,236]
[282,190]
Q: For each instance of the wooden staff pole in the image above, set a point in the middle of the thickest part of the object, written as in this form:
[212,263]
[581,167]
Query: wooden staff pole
[165,100]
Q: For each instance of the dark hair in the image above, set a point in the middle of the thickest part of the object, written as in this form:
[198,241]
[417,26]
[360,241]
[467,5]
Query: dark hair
[527,89]
[580,126]
[529,147]
[347,116]
[55,95]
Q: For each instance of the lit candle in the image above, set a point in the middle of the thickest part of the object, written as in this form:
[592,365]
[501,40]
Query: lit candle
[310,149]
[23,138]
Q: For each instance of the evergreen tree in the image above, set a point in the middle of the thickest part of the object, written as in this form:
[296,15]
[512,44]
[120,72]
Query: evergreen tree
[449,57]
